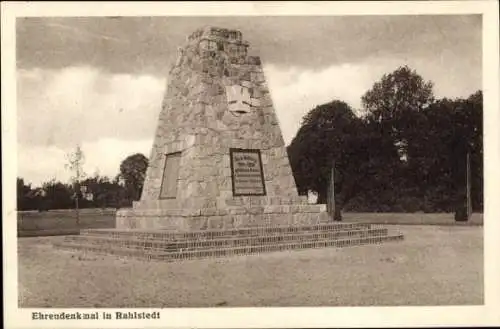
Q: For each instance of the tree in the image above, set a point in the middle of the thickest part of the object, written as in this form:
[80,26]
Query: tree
[468,143]
[395,108]
[330,133]
[106,193]
[429,170]
[57,195]
[133,172]
[75,165]
[407,153]
[474,113]
[23,195]
[394,103]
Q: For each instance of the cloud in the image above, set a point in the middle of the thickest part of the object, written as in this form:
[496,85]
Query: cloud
[82,104]
[296,91]
[110,115]
[309,41]
[38,164]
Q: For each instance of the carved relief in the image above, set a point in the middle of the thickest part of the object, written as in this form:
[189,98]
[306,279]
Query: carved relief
[238,99]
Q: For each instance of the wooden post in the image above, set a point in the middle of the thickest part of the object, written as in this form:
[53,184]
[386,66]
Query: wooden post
[330,201]
[463,206]
[468,192]
[77,188]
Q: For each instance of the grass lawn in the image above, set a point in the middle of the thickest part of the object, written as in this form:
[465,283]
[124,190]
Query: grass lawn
[62,222]
[434,265]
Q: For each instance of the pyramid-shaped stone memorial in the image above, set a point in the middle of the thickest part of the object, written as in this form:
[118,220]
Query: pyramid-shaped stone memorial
[219,182]
[218,158]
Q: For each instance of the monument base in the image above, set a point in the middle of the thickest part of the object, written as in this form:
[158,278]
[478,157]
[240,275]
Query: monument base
[222,227]
[221,213]
[166,245]
[185,220]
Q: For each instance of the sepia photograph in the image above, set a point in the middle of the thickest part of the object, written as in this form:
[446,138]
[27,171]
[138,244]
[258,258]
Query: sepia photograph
[257,160]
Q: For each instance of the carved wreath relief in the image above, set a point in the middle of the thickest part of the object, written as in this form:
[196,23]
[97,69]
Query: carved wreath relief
[239,99]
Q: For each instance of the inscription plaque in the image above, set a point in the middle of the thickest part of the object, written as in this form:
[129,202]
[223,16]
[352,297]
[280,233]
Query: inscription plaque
[170,174]
[246,172]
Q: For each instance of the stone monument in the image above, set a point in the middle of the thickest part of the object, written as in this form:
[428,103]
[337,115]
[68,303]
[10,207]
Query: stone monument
[218,159]
[219,182]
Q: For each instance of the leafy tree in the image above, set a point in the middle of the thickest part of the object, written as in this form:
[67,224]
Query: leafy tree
[106,193]
[394,103]
[468,132]
[93,186]
[331,133]
[429,170]
[133,172]
[407,153]
[396,108]
[23,192]
[474,113]
[446,131]
[57,195]
[38,200]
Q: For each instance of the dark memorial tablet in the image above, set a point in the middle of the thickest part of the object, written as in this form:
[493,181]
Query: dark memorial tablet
[246,171]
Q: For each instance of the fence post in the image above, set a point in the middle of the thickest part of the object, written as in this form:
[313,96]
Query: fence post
[330,198]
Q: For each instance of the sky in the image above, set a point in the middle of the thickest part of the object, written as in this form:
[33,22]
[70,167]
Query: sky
[99,81]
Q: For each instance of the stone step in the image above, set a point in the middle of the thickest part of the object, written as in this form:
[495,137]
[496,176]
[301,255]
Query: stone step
[188,245]
[224,252]
[218,234]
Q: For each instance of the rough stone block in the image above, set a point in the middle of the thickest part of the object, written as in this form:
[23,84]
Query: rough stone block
[301,219]
[227,222]
[253,60]
[255,210]
[286,209]
[237,210]
[215,222]
[268,209]
[275,200]
[323,218]
[241,220]
[208,212]
[222,212]
[234,202]
[191,212]
[256,201]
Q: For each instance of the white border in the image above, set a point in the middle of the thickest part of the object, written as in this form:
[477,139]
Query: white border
[265,317]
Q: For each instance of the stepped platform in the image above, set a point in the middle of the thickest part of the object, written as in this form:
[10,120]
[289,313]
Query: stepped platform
[166,245]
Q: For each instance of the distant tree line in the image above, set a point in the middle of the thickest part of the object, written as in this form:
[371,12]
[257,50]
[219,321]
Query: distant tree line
[97,192]
[406,152]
